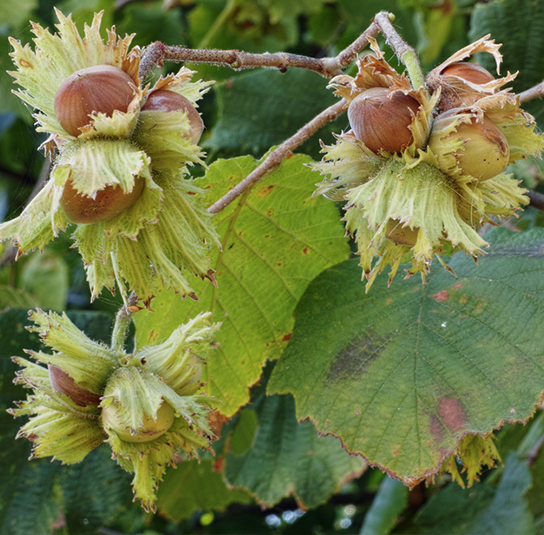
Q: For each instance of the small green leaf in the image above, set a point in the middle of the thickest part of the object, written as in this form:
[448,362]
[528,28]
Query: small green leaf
[275,240]
[195,486]
[401,374]
[390,501]
[287,457]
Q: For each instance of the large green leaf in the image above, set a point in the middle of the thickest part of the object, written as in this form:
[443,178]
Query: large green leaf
[287,457]
[33,503]
[481,510]
[275,240]
[95,491]
[401,374]
[195,486]
[519,26]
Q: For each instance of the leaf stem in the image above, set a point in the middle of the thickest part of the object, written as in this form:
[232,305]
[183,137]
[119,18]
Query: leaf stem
[278,154]
[403,50]
[123,319]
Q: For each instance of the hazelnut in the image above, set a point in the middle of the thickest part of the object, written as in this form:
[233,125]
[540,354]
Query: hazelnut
[381,119]
[64,384]
[469,72]
[164,100]
[485,152]
[150,430]
[100,89]
[108,202]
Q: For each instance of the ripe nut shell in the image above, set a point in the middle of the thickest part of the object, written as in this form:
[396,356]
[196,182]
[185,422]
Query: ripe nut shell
[100,89]
[108,202]
[64,384]
[381,119]
[150,430]
[164,100]
[400,235]
[469,72]
[485,152]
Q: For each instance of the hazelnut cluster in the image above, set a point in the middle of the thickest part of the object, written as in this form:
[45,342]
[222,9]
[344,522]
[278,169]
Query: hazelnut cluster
[422,169]
[120,153]
[143,404]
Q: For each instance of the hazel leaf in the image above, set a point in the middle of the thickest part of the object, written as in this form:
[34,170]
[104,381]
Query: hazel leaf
[195,486]
[275,240]
[287,457]
[402,374]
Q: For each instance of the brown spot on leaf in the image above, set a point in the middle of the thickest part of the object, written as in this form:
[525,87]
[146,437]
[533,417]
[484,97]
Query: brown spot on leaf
[219,465]
[441,296]
[437,428]
[265,191]
[353,361]
[463,299]
[453,414]
[287,337]
[305,250]
[457,286]
[24,63]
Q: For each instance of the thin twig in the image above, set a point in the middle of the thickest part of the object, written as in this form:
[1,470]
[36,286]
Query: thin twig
[157,53]
[536,91]
[536,199]
[277,155]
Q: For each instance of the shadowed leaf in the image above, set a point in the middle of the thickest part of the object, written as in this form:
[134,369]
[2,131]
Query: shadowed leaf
[401,374]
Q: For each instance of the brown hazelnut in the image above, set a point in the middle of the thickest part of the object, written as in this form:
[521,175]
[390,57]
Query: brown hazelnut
[381,119]
[64,384]
[108,203]
[164,100]
[100,89]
